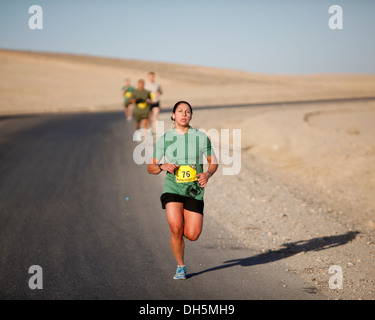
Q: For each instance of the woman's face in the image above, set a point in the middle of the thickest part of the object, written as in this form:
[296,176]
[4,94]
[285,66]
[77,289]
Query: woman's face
[182,115]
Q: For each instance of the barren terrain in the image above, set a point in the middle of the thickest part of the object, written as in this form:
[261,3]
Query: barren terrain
[305,193]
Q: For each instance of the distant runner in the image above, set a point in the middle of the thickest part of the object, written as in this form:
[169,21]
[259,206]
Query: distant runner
[156,91]
[127,90]
[182,197]
[142,100]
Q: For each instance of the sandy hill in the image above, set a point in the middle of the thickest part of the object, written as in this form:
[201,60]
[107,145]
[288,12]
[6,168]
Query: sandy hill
[34,82]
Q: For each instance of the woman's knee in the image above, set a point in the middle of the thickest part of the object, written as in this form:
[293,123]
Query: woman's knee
[192,235]
[176,231]
[175,218]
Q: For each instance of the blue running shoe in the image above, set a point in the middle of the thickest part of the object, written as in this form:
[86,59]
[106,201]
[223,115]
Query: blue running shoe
[180,273]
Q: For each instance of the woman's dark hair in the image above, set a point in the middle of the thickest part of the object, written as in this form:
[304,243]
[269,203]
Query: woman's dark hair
[178,103]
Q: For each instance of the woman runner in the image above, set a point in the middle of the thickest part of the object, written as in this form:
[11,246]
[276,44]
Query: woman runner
[182,197]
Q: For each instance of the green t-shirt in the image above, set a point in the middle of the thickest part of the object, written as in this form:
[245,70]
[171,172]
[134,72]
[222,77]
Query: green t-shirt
[183,149]
[140,97]
[128,93]
[141,108]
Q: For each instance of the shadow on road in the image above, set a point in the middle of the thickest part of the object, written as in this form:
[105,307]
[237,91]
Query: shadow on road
[288,249]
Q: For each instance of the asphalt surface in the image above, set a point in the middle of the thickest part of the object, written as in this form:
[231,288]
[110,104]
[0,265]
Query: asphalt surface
[74,202]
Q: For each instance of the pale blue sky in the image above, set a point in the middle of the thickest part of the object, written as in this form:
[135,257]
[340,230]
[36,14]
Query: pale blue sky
[276,37]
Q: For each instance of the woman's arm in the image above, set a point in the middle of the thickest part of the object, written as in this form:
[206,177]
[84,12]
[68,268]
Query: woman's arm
[212,167]
[153,167]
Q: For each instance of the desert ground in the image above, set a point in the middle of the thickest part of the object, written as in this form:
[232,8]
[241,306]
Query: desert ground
[306,187]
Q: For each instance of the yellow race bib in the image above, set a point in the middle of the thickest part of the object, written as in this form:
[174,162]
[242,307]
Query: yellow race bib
[142,105]
[186,173]
[128,94]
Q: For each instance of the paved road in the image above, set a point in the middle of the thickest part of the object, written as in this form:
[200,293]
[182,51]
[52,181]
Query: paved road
[64,180]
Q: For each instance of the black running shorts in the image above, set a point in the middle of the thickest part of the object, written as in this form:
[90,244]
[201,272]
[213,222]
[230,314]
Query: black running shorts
[155,105]
[189,203]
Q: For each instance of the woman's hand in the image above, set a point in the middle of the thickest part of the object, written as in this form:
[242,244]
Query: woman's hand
[203,178]
[170,167]
[153,167]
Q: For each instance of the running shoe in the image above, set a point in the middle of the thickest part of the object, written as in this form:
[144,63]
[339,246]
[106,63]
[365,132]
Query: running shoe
[180,273]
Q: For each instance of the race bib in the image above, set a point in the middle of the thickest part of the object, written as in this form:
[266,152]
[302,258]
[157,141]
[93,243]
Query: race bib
[128,94]
[142,105]
[186,174]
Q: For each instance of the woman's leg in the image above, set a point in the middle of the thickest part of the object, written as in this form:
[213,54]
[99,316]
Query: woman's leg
[193,225]
[137,125]
[155,114]
[130,110]
[145,127]
[175,217]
